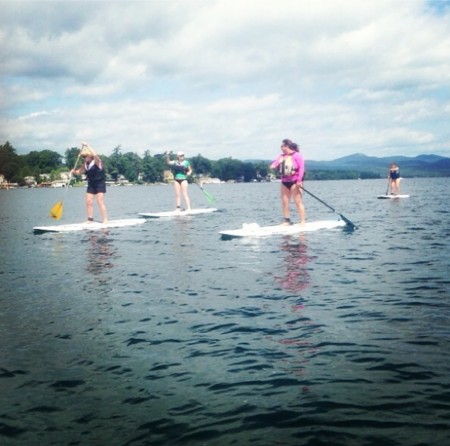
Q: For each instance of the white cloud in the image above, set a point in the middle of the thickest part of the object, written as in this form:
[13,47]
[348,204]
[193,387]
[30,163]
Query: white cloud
[34,115]
[227,77]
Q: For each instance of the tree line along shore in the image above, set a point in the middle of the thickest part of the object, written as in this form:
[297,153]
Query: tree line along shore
[50,168]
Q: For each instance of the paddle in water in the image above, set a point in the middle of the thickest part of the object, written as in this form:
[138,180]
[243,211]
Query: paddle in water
[347,221]
[387,189]
[57,210]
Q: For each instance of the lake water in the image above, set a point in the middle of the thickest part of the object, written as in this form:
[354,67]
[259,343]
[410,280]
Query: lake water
[164,334]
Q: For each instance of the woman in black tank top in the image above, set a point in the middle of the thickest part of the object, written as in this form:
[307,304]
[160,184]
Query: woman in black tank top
[93,168]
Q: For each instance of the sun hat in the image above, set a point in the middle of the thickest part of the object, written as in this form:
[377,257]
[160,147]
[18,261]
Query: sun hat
[180,153]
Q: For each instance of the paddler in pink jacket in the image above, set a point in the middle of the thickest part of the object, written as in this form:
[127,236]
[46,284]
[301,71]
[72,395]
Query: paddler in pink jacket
[291,166]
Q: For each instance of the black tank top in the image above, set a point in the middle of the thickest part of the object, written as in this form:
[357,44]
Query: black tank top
[94,173]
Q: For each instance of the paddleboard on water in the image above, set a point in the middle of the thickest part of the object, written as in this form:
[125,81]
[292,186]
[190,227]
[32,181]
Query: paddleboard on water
[254,230]
[391,197]
[177,213]
[89,226]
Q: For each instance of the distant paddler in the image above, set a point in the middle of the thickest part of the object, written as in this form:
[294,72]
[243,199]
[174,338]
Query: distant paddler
[181,169]
[394,179]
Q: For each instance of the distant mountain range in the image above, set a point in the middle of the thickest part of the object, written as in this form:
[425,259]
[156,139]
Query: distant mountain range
[419,166]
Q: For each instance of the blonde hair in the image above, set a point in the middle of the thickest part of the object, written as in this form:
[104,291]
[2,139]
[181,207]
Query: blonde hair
[86,150]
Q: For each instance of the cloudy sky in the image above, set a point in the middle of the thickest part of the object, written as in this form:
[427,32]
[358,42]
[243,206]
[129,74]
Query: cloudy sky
[227,77]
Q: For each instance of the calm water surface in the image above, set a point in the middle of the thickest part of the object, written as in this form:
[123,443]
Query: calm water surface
[163,334]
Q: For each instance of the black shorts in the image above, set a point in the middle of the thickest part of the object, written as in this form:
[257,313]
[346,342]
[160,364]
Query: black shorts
[96,188]
[180,180]
[288,184]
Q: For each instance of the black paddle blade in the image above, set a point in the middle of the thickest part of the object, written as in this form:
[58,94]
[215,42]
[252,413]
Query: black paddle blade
[348,222]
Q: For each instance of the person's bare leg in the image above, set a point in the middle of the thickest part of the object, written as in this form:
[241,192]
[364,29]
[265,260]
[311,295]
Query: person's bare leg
[90,206]
[101,204]
[285,202]
[298,203]
[184,190]
[177,188]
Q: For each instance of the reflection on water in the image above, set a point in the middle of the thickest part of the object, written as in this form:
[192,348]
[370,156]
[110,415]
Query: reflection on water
[293,274]
[181,246]
[100,252]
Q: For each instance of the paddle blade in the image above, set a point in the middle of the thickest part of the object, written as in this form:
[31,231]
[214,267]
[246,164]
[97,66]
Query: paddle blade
[56,211]
[348,222]
[208,196]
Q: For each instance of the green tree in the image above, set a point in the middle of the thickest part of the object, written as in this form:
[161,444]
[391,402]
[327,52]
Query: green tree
[11,171]
[228,169]
[45,160]
[10,162]
[153,168]
[249,171]
[114,163]
[71,156]
[262,170]
[131,166]
[200,165]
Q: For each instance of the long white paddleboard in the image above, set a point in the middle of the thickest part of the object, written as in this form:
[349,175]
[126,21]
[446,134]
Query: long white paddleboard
[254,230]
[89,226]
[177,213]
[391,197]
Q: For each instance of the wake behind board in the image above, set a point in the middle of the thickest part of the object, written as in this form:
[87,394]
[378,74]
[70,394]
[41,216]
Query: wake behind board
[88,226]
[254,230]
[169,214]
[391,197]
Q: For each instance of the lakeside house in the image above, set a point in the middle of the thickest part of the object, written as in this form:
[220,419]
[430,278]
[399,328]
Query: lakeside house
[4,184]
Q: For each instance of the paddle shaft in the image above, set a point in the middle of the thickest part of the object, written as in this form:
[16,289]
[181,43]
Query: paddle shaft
[57,209]
[347,221]
[208,196]
[70,175]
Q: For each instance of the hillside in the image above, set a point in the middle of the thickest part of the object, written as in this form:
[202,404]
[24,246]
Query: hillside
[419,166]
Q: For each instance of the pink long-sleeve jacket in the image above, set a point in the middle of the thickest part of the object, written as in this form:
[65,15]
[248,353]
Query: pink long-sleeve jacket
[298,167]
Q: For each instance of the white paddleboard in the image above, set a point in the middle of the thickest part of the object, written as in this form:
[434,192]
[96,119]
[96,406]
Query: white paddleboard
[89,226]
[391,197]
[254,230]
[177,213]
